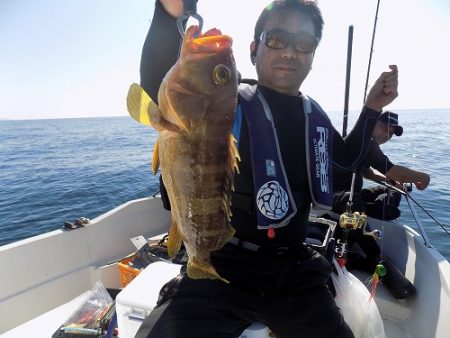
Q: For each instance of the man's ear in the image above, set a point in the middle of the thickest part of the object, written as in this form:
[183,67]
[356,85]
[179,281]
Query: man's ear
[253,49]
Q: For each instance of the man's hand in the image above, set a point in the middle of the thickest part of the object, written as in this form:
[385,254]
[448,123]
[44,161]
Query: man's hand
[173,7]
[406,175]
[384,91]
[424,181]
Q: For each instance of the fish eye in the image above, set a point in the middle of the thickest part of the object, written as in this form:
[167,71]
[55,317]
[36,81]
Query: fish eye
[221,74]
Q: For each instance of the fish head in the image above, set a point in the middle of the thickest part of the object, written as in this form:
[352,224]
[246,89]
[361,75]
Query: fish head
[203,81]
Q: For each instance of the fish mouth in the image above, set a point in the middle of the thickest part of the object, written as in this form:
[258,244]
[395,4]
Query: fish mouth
[210,39]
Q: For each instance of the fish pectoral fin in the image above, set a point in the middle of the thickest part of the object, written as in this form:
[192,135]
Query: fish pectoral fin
[174,241]
[143,109]
[155,158]
[202,270]
[138,104]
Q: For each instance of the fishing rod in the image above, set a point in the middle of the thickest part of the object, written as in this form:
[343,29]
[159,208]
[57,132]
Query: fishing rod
[405,192]
[347,78]
[413,211]
[371,50]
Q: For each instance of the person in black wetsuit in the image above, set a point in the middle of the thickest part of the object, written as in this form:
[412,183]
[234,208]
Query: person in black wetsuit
[274,278]
[377,201]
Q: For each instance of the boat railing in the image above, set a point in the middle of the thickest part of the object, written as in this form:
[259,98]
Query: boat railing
[407,188]
[422,231]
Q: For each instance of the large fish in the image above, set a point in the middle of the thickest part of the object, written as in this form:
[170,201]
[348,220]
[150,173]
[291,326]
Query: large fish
[195,150]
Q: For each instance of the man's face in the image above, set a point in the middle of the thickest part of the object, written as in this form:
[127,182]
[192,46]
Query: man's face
[284,70]
[382,132]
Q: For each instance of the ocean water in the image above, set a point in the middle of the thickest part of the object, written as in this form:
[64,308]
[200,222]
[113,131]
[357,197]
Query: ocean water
[53,171]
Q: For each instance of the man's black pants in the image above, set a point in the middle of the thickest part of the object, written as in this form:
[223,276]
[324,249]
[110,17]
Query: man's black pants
[286,291]
[381,202]
[377,202]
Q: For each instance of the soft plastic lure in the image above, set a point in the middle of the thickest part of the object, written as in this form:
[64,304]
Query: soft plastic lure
[380,271]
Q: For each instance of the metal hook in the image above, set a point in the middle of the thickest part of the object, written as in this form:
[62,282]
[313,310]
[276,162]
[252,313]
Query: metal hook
[184,17]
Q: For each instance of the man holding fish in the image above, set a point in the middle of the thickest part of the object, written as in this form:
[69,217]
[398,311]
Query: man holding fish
[257,269]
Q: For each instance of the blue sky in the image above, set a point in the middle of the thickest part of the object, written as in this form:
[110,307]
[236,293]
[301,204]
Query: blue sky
[76,58]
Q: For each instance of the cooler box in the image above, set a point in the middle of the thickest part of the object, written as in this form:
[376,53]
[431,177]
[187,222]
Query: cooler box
[139,297]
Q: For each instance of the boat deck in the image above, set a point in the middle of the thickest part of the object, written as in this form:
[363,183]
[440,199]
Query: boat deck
[394,313]
[57,268]
[47,324]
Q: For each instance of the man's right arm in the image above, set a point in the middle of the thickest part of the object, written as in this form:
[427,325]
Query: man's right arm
[406,175]
[373,174]
[160,50]
[396,173]
[376,176]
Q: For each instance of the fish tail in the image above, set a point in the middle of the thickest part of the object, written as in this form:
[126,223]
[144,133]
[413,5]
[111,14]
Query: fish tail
[202,270]
[174,241]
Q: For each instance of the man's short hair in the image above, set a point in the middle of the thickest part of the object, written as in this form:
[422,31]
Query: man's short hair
[309,8]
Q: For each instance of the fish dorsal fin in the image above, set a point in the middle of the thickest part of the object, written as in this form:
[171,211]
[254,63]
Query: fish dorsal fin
[155,158]
[235,157]
[228,231]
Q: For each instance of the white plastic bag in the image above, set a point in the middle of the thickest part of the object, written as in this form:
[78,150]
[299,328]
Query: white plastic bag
[359,311]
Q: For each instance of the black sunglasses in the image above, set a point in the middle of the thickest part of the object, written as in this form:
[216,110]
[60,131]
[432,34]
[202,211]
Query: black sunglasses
[302,42]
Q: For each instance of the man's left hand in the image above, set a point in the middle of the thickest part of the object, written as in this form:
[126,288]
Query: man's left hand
[384,91]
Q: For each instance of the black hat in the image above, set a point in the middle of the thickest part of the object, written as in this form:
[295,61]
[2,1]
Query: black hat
[391,119]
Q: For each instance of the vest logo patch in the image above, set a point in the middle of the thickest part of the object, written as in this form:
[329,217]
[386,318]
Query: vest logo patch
[270,168]
[322,161]
[272,200]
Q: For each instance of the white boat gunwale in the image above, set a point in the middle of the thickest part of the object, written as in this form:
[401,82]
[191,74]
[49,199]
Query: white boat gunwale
[65,264]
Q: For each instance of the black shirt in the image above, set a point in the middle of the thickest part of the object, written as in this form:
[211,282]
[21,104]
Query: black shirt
[289,120]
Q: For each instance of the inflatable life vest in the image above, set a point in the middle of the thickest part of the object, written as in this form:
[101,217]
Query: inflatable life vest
[275,204]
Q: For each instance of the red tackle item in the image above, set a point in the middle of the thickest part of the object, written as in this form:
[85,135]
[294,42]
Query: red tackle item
[271,233]
[341,261]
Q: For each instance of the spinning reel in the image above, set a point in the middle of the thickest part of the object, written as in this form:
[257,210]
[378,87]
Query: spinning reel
[350,221]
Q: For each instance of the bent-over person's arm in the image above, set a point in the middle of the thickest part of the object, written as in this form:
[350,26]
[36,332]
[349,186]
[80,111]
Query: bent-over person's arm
[406,175]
